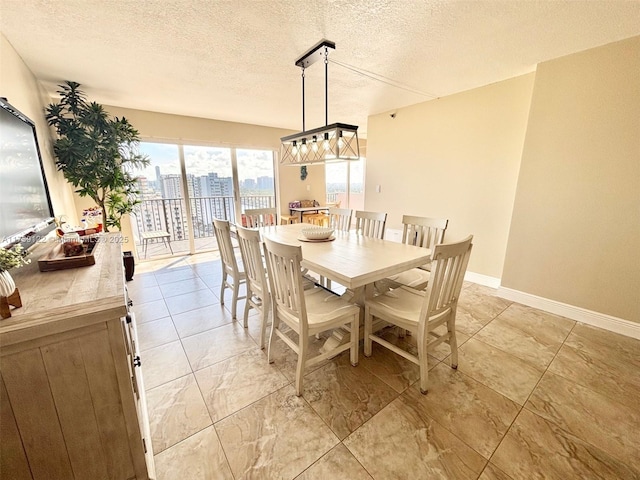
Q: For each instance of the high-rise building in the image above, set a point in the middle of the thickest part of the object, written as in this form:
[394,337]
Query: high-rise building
[171,186]
[265,183]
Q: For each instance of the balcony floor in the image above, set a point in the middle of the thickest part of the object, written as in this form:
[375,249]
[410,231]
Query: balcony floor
[158,249]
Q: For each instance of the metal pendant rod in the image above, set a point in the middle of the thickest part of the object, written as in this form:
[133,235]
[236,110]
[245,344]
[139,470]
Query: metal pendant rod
[326,86]
[303,124]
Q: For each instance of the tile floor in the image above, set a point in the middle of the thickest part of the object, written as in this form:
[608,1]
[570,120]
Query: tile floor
[535,395]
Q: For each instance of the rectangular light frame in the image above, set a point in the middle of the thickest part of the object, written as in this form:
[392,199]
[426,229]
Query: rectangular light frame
[332,143]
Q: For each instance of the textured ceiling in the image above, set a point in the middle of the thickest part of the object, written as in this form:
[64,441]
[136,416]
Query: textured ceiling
[234,60]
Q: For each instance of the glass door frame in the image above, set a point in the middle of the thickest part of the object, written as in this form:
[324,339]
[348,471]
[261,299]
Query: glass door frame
[237,201]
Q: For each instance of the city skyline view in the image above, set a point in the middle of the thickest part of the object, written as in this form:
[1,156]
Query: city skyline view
[200,161]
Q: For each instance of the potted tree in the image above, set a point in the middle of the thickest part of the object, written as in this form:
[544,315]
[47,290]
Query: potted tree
[96,153]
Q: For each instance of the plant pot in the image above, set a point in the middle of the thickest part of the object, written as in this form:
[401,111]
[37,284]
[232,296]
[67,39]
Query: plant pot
[7,285]
[9,294]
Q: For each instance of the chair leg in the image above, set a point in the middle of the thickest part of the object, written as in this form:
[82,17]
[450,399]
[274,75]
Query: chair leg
[263,319]
[302,357]
[247,307]
[368,327]
[424,362]
[355,339]
[224,283]
[274,325]
[453,342]
[236,292]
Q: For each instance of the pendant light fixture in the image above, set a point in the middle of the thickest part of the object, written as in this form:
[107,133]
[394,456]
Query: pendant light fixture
[331,143]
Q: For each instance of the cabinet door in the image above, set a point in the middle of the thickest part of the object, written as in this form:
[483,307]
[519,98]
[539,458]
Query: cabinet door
[65,396]
[138,386]
[13,459]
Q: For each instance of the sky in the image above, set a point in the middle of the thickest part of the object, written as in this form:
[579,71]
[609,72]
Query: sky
[251,163]
[202,160]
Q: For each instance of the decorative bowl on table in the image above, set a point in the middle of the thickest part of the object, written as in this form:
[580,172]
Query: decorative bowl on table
[317,233]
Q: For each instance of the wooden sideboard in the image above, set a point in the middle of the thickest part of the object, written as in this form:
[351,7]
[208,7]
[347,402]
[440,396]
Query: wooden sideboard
[72,400]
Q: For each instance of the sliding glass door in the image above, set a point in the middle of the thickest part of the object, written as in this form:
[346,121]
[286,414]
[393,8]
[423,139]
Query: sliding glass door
[161,206]
[186,187]
[256,179]
[345,184]
[210,187]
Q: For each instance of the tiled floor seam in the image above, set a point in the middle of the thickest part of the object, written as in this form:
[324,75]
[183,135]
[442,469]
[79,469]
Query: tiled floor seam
[182,440]
[224,452]
[147,390]
[522,407]
[215,363]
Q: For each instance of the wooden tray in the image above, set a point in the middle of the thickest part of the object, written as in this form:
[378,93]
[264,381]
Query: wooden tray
[55,259]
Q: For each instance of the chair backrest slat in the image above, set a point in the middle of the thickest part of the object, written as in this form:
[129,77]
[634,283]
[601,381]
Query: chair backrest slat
[251,251]
[340,219]
[261,217]
[371,224]
[449,264]
[285,280]
[222,230]
[423,231]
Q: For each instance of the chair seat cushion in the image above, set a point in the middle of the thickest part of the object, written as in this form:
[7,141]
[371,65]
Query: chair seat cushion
[415,278]
[402,303]
[324,307]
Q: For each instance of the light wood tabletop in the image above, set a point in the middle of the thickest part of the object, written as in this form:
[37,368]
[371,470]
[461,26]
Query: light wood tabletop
[351,260]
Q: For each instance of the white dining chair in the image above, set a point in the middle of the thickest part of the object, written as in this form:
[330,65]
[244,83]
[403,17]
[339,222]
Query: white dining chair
[371,224]
[306,312]
[257,286]
[232,275]
[261,217]
[422,232]
[340,219]
[422,312]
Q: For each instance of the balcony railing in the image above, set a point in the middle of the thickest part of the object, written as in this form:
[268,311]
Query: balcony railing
[169,214]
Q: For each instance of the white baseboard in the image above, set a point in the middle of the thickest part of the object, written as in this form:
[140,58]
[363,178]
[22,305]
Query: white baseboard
[481,279]
[601,320]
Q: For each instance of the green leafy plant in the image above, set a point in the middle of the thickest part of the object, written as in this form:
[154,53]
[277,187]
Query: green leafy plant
[13,258]
[96,153]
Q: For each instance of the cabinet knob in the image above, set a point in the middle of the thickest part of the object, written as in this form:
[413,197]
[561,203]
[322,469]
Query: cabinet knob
[130,303]
[136,361]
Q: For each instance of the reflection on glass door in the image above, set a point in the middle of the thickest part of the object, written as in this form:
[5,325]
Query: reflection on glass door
[345,184]
[162,206]
[210,178]
[210,188]
[255,179]
[356,184]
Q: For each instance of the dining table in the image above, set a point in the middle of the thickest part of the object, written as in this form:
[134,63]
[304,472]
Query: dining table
[350,259]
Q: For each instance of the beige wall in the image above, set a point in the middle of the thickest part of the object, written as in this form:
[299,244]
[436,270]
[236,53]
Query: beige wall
[199,131]
[575,232]
[456,157]
[22,90]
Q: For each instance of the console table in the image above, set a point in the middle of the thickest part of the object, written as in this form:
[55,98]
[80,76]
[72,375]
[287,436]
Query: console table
[72,402]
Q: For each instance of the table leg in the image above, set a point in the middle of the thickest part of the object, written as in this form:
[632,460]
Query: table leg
[342,335]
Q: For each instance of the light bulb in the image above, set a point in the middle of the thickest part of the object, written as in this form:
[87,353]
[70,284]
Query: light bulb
[340,141]
[325,143]
[314,144]
[303,147]
[294,148]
